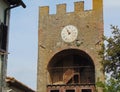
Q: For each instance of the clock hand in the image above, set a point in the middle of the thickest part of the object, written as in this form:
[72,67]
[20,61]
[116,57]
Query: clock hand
[68,32]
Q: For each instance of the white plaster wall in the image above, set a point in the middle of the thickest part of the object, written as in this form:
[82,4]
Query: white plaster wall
[3,6]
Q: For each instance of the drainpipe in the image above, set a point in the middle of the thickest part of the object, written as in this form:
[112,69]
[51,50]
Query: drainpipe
[11,7]
[5,12]
[13,4]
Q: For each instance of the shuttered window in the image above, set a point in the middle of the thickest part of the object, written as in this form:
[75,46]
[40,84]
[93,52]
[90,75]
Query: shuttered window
[3,36]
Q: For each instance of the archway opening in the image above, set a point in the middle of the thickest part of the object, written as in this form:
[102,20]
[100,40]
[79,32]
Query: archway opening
[71,66]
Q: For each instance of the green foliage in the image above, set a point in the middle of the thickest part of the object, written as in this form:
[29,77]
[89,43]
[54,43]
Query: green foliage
[111,85]
[112,53]
[111,61]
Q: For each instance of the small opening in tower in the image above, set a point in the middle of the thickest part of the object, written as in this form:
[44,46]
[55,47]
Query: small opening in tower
[86,90]
[70,91]
[54,91]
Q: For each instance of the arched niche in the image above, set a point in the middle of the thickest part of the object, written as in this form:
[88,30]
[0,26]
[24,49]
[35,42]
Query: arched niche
[71,66]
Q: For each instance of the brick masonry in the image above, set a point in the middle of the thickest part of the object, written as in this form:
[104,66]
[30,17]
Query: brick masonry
[90,31]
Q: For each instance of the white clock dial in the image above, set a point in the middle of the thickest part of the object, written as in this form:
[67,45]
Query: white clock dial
[69,33]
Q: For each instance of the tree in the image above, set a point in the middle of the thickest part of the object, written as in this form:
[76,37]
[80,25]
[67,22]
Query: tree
[112,53]
[111,85]
[111,61]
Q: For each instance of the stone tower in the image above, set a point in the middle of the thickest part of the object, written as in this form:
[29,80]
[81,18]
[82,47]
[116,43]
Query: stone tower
[68,45]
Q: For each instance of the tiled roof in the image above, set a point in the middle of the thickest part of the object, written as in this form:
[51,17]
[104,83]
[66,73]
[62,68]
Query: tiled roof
[17,84]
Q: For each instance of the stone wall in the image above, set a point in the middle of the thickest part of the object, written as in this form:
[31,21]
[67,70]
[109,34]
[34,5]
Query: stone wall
[90,31]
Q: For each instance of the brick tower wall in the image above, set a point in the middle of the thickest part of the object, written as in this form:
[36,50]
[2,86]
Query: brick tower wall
[90,26]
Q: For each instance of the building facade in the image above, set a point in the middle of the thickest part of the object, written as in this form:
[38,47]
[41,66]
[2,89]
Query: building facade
[5,7]
[68,46]
[3,42]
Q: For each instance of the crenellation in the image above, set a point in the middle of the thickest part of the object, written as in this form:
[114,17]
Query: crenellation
[79,6]
[44,10]
[97,4]
[61,9]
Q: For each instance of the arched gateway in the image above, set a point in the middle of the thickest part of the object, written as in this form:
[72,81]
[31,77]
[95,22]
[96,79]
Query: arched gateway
[68,46]
[71,70]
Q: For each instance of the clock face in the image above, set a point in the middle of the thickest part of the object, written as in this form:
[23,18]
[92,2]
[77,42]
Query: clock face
[69,33]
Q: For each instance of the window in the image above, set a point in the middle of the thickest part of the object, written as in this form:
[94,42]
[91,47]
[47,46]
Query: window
[86,90]
[3,36]
[54,91]
[70,90]
[0,35]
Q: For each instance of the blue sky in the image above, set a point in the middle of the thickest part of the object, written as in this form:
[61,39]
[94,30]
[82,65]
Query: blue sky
[22,60]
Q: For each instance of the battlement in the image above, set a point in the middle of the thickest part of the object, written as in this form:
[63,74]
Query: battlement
[61,9]
[44,10]
[78,7]
[97,4]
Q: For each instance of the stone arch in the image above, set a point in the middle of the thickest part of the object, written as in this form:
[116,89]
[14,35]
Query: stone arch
[71,66]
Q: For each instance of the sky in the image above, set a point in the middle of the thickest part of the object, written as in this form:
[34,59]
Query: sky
[23,35]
